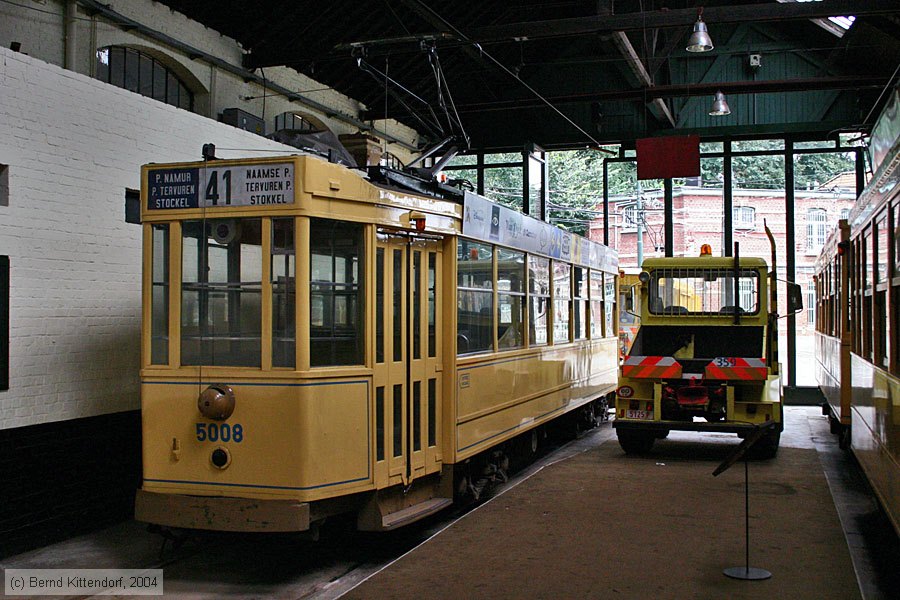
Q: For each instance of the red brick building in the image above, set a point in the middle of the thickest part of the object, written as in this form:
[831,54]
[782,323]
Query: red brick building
[699,219]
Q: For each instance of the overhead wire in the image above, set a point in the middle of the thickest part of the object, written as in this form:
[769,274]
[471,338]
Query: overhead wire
[463,37]
[881,95]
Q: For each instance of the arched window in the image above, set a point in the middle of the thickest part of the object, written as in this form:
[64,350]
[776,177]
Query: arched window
[744,217]
[390,161]
[298,122]
[139,72]
[630,217]
[816,229]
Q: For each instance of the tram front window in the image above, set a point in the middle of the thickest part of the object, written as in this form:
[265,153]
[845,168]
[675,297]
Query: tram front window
[335,304]
[159,297]
[221,292]
[283,293]
[703,292]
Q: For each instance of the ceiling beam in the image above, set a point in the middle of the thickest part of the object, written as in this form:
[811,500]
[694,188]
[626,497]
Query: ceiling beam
[696,89]
[686,17]
[635,66]
[673,91]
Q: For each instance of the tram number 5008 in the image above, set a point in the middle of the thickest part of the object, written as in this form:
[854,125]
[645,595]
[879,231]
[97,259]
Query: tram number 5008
[214,432]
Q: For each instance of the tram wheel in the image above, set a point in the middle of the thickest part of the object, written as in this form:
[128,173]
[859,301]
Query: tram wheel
[635,443]
[834,425]
[844,438]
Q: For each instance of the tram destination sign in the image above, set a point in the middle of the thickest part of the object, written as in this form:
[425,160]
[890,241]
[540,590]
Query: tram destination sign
[492,223]
[233,185]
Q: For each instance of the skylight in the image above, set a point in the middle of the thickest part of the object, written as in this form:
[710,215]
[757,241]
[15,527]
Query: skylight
[835,25]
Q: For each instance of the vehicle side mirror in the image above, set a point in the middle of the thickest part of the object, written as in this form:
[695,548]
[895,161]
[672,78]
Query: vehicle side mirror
[794,298]
[630,298]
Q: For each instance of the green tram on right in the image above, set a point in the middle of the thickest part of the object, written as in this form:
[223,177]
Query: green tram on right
[857,281]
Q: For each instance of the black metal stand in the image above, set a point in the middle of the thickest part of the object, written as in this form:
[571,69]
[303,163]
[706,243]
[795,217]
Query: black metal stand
[746,572]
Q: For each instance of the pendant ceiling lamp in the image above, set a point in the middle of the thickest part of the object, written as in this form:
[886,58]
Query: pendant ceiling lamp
[700,40]
[719,107]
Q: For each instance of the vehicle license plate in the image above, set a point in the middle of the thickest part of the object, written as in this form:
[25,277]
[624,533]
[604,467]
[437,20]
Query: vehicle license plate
[639,414]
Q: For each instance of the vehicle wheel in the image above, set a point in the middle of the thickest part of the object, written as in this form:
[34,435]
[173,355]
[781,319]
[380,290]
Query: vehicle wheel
[834,425]
[636,443]
[767,446]
[844,438]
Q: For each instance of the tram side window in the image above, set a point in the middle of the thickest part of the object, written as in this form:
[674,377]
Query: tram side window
[838,322]
[580,306]
[475,298]
[867,323]
[379,305]
[335,304]
[811,308]
[832,318]
[283,276]
[511,299]
[159,296]
[562,301]
[609,304]
[597,316]
[881,333]
[896,270]
[538,299]
[856,293]
[819,299]
[895,291]
[432,304]
[221,292]
[837,298]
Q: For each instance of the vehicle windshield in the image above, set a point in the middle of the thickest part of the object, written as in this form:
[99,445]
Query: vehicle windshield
[703,292]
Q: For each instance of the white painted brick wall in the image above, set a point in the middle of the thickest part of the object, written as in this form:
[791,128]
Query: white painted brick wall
[73,146]
[38,25]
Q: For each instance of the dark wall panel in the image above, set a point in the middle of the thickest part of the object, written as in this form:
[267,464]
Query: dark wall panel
[62,479]
[4,323]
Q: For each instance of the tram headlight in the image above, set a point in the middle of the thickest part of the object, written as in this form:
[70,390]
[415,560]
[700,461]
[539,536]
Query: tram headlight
[216,402]
[220,458]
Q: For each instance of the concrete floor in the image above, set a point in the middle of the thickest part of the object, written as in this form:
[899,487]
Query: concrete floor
[602,524]
[253,566]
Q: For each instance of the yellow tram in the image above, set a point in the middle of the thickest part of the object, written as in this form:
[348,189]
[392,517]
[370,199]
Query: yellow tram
[316,344]
[858,319]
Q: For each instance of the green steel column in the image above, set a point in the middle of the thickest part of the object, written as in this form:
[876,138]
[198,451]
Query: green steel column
[791,260]
[669,217]
[727,203]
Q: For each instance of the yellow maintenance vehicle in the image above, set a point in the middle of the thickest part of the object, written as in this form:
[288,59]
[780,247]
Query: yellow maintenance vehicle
[705,357]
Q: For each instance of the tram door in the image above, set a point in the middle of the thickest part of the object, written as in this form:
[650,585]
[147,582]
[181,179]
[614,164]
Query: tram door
[407,358]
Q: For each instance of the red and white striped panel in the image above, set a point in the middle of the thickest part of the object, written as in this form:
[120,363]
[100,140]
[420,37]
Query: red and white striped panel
[743,369]
[651,367]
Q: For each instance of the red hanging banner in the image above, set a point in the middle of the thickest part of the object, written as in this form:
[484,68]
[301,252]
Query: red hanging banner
[665,157]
